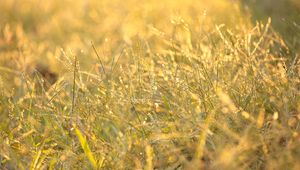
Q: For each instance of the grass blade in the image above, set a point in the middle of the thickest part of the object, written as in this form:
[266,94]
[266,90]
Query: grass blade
[85,146]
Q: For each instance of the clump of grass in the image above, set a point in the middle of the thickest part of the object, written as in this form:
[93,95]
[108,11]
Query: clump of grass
[184,93]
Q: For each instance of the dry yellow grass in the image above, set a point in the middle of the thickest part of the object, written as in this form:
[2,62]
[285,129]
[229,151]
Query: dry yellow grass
[185,84]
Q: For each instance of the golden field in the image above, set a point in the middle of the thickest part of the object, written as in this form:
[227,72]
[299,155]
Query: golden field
[173,84]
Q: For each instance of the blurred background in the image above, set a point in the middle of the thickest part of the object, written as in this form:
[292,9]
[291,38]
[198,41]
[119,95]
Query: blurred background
[40,29]
[285,15]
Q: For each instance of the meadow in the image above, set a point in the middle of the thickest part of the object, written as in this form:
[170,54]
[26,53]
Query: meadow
[149,84]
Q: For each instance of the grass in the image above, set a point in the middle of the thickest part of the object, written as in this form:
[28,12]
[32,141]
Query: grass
[152,85]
